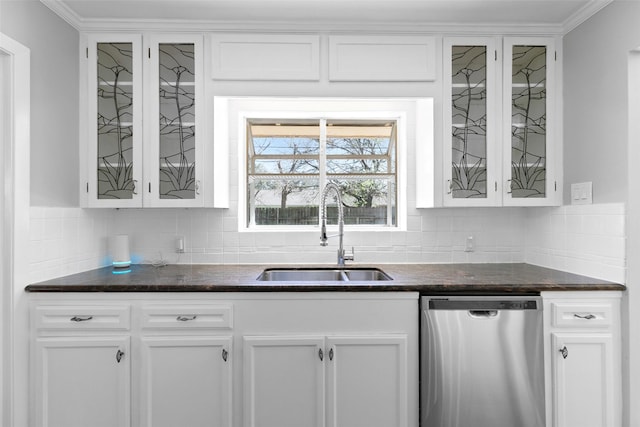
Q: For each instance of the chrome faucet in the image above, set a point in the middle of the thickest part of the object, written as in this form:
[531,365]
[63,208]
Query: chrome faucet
[342,256]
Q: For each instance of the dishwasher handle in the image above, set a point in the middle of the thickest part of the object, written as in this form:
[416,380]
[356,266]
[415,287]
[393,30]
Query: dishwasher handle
[482,314]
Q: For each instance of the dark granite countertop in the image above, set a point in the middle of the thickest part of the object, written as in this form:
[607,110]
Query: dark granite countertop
[423,278]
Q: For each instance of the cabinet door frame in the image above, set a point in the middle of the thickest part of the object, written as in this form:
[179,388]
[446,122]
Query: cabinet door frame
[152,112]
[334,343]
[250,343]
[494,117]
[224,343]
[560,340]
[89,142]
[553,149]
[114,344]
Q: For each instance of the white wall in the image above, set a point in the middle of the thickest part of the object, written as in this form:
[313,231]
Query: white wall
[54,99]
[601,144]
[595,100]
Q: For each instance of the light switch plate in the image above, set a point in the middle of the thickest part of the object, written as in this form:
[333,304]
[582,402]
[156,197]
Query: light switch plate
[582,193]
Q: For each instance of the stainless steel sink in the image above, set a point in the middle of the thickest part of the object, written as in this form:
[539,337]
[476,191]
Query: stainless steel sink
[323,275]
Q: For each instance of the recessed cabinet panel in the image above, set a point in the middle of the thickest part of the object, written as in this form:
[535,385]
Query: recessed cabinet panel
[283,381]
[187,381]
[82,381]
[584,379]
[265,57]
[367,381]
[388,58]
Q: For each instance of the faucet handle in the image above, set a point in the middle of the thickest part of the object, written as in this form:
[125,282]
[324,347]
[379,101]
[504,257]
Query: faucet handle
[351,256]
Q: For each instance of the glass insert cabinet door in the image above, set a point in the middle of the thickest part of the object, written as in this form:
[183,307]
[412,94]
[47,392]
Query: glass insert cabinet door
[173,135]
[470,116]
[115,125]
[529,69]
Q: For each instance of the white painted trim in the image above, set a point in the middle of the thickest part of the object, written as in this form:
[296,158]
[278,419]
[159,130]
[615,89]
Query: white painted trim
[233,131]
[14,334]
[631,333]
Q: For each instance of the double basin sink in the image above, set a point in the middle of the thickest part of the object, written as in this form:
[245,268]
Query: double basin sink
[332,274]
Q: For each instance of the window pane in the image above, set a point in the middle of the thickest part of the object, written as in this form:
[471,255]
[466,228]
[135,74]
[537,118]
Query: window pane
[366,201]
[286,166]
[287,161]
[283,202]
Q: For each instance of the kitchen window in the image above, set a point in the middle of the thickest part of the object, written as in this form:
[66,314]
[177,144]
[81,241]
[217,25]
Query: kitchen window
[290,160]
[287,149]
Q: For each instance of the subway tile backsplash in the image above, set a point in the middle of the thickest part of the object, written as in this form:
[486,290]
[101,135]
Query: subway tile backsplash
[587,239]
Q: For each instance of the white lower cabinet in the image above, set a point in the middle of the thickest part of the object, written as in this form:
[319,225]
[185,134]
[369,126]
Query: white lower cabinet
[337,381]
[82,381]
[186,381]
[224,360]
[367,381]
[283,381]
[584,369]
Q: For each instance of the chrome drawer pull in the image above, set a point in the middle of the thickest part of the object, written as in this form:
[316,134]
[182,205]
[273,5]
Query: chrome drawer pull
[586,316]
[81,318]
[186,318]
[564,352]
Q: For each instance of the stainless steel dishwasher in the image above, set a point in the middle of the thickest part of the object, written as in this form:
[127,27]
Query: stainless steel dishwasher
[482,362]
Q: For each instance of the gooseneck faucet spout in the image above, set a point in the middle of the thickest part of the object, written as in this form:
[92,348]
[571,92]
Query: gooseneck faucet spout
[323,224]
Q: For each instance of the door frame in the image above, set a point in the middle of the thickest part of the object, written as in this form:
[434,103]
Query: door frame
[15,146]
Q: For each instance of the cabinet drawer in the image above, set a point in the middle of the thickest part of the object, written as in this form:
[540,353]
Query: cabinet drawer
[581,315]
[187,316]
[82,317]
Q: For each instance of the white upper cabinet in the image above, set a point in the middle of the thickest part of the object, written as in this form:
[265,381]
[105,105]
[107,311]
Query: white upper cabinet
[173,161]
[499,122]
[113,148]
[151,156]
[471,123]
[531,148]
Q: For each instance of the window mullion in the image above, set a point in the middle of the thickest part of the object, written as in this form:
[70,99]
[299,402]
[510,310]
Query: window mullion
[322,164]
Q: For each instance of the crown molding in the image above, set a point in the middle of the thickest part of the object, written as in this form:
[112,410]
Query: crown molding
[116,25]
[586,12]
[64,12]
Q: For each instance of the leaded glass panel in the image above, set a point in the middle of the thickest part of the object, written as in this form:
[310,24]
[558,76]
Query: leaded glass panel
[528,121]
[115,121]
[469,121]
[177,121]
